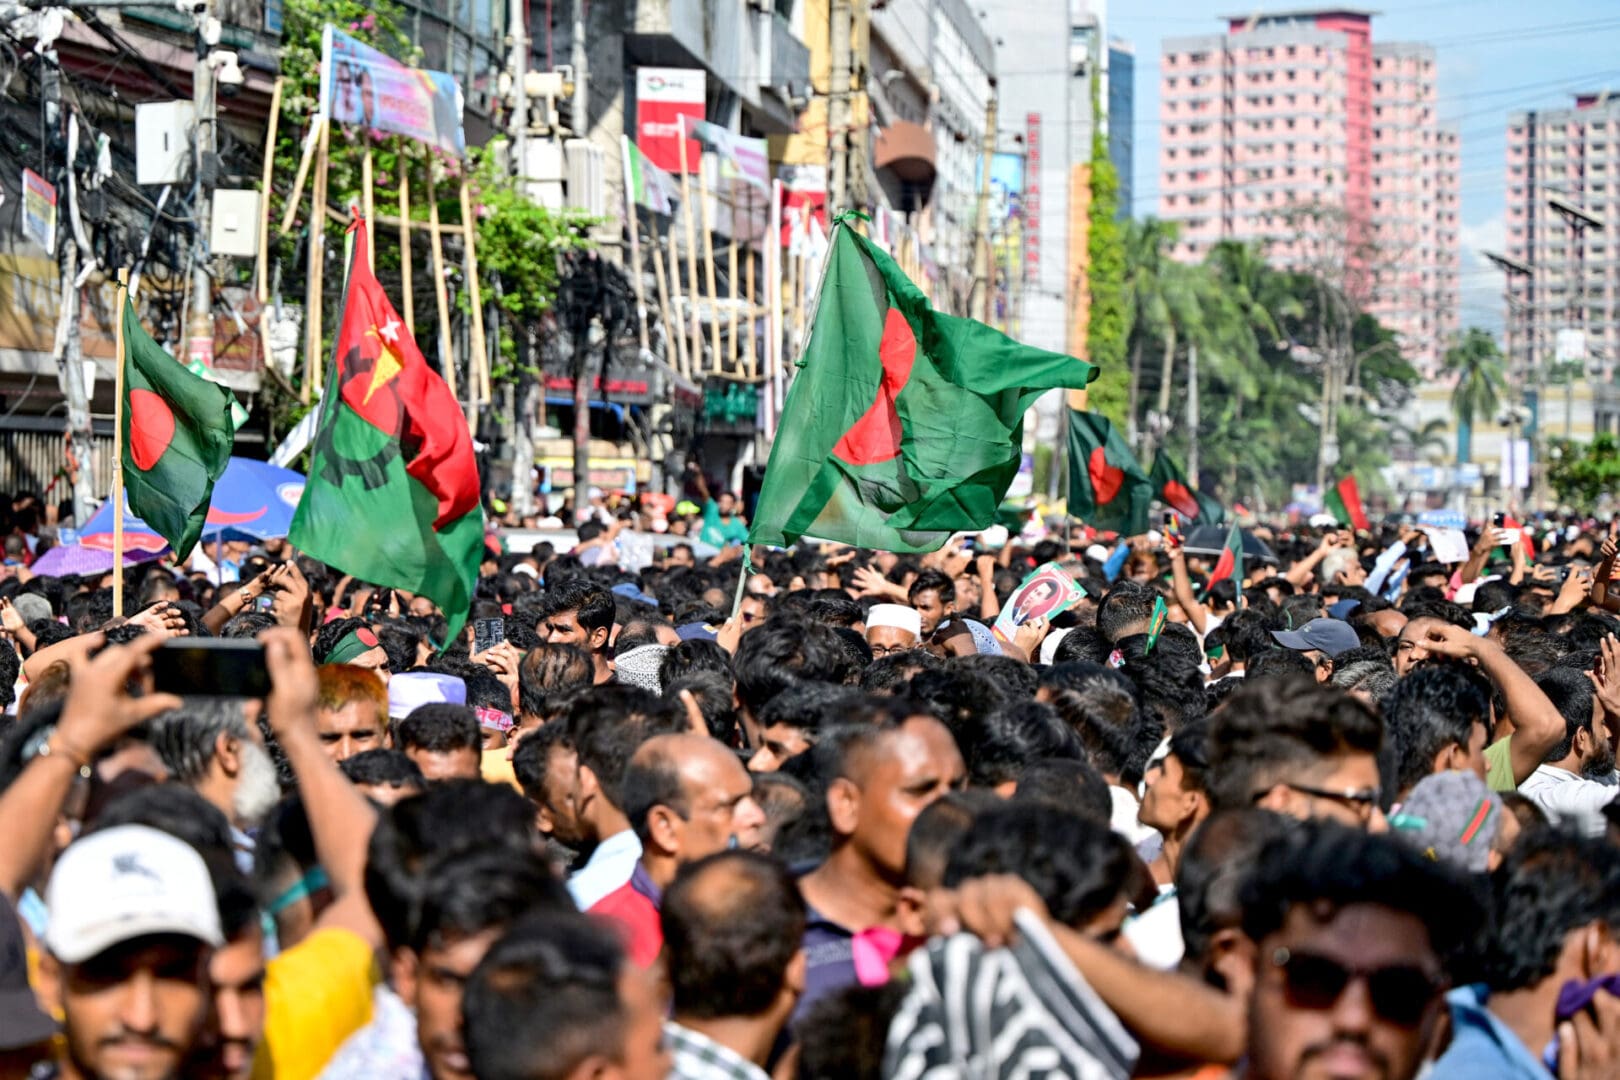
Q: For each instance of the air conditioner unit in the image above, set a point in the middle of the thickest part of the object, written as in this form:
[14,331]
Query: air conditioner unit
[586,179]
[544,173]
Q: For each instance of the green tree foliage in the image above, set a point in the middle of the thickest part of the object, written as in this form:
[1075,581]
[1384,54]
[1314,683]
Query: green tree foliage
[1581,472]
[1109,327]
[1477,364]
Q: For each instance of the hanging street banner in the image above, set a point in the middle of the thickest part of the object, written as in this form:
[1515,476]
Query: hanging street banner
[39,210]
[664,98]
[365,86]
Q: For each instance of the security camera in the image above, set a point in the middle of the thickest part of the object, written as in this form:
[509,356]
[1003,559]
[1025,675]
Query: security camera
[224,62]
[195,8]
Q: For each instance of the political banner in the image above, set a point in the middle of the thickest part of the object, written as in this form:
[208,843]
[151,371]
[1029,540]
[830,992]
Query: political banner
[665,97]
[39,210]
[1050,590]
[362,85]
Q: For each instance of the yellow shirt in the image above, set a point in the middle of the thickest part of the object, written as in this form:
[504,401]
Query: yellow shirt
[316,995]
[1499,765]
[496,767]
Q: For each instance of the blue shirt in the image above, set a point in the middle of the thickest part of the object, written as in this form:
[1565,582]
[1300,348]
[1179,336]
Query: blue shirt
[1483,1046]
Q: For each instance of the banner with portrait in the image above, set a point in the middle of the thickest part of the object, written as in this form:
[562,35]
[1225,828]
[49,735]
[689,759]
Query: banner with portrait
[365,86]
[1049,590]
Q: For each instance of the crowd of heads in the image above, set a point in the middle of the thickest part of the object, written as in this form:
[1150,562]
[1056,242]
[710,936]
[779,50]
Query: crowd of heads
[1351,816]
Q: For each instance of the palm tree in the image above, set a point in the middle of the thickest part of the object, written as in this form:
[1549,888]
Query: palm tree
[1477,363]
[1147,246]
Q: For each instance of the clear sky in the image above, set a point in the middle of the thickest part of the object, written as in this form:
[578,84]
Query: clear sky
[1495,56]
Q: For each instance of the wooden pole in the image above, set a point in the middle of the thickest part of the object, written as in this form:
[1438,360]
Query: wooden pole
[261,274]
[478,363]
[731,287]
[773,300]
[118,449]
[632,221]
[447,355]
[405,287]
[317,267]
[316,138]
[748,294]
[366,208]
[681,340]
[695,353]
[708,271]
[672,346]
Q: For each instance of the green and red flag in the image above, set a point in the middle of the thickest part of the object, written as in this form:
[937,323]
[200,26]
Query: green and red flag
[903,425]
[1344,503]
[176,436]
[1230,563]
[1170,487]
[392,495]
[1107,488]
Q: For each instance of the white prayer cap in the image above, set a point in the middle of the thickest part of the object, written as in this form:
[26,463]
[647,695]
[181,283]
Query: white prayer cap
[898,616]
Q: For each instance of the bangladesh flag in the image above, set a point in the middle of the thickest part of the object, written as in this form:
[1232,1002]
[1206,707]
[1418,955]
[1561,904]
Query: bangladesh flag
[1107,488]
[1171,488]
[903,425]
[1230,564]
[1344,503]
[392,493]
[176,433]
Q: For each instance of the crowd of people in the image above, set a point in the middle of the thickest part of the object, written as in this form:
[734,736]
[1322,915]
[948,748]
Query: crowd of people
[1351,816]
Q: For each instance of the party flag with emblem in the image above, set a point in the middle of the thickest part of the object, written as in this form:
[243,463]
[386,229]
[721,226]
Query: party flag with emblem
[904,425]
[1230,564]
[176,433]
[1171,488]
[392,495]
[1107,488]
[1344,503]
[649,185]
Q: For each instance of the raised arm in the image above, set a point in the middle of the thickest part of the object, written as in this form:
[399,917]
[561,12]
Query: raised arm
[1181,588]
[1538,726]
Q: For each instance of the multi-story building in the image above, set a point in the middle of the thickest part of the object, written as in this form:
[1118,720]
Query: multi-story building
[1121,72]
[1295,131]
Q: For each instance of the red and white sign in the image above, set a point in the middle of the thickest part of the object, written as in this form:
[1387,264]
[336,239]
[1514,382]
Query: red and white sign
[663,97]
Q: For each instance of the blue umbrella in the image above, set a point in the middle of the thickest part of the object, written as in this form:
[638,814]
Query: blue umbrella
[253,501]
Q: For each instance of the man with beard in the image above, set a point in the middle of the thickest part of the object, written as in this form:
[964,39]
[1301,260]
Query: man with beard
[1567,784]
[211,746]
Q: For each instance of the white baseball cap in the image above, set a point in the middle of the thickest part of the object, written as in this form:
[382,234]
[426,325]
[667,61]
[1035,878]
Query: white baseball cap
[410,689]
[898,616]
[127,882]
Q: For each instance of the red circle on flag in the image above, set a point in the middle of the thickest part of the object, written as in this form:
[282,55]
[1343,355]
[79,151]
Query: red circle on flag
[876,436]
[1106,480]
[151,428]
[1176,494]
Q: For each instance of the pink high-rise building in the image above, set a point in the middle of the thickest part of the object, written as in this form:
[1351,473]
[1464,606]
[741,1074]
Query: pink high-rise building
[1296,131]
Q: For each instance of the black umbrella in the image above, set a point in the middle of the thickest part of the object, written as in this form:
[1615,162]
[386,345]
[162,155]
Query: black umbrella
[1211,540]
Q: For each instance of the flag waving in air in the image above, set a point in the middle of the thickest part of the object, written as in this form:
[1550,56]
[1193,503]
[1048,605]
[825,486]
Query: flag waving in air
[1170,487]
[393,494]
[1344,503]
[1230,563]
[1107,488]
[176,433]
[903,425]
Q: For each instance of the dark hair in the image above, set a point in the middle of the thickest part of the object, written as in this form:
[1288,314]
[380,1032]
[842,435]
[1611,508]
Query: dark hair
[439,728]
[1071,785]
[485,689]
[1082,643]
[606,724]
[549,670]
[247,624]
[186,738]
[931,580]
[843,1035]
[1570,691]
[894,672]
[544,998]
[692,657]
[814,707]
[782,652]
[1190,747]
[1214,865]
[1418,605]
[651,778]
[1126,604]
[1100,706]
[400,642]
[1493,596]
[1433,707]
[712,692]
[383,768]
[1006,742]
[1271,726]
[1277,663]
[469,892]
[591,604]
[937,830]
[1247,635]
[1079,867]
[530,757]
[1324,863]
[1552,883]
[449,817]
[732,922]
[327,637]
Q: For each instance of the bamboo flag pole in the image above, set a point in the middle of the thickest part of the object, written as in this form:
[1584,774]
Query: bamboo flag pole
[682,343]
[708,271]
[632,221]
[478,363]
[405,287]
[313,140]
[447,356]
[773,302]
[672,346]
[261,274]
[365,206]
[118,450]
[748,294]
[695,353]
[317,267]
[731,287]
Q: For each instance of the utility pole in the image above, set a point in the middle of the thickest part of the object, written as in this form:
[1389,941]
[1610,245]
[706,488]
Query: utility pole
[71,359]
[519,31]
[201,344]
[1192,414]
[981,225]
[839,114]
[581,63]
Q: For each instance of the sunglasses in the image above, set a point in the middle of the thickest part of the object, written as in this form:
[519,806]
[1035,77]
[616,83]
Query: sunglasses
[1400,993]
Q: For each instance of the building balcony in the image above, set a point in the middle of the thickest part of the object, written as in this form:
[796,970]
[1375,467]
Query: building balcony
[752,53]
